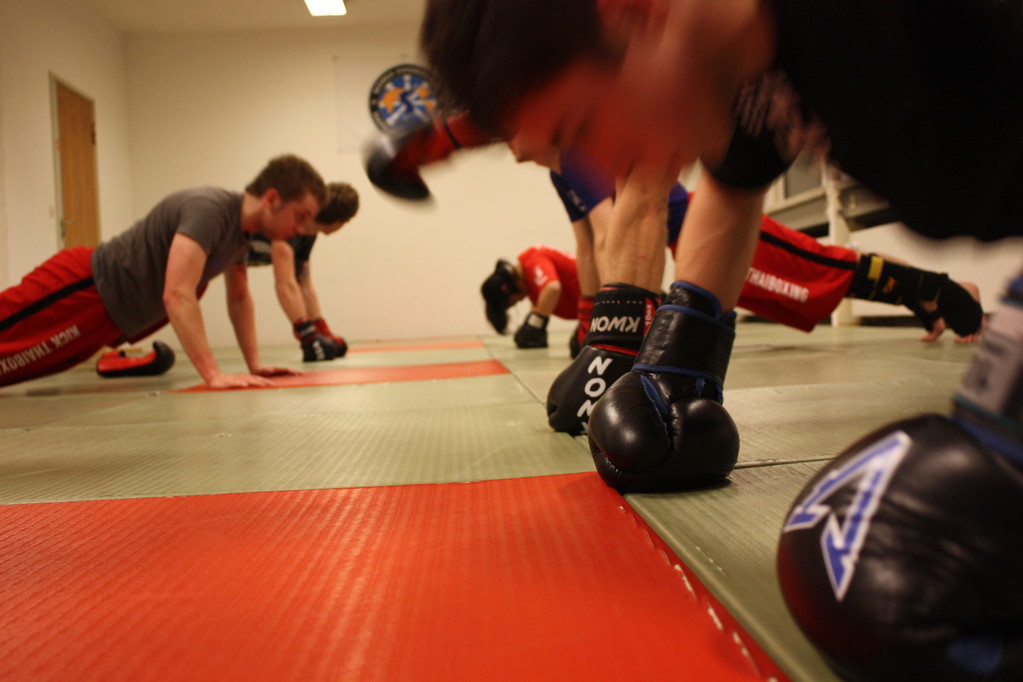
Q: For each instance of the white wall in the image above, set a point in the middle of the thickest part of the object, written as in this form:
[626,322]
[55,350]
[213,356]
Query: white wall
[64,38]
[212,108]
[181,110]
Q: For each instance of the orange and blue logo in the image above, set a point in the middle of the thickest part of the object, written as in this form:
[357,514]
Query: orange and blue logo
[403,96]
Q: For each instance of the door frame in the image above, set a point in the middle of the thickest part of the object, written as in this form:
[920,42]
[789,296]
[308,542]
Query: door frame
[55,82]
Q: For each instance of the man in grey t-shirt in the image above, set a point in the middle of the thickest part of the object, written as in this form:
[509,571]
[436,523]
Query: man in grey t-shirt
[124,289]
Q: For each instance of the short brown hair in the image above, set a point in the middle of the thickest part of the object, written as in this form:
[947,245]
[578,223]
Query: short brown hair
[341,205]
[486,55]
[291,176]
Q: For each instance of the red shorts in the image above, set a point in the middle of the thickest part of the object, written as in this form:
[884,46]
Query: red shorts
[53,320]
[794,279]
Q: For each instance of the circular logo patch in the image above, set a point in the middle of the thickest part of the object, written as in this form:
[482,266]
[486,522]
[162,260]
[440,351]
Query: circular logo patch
[402,97]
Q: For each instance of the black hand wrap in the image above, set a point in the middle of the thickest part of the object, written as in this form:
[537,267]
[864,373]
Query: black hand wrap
[662,426]
[621,315]
[878,279]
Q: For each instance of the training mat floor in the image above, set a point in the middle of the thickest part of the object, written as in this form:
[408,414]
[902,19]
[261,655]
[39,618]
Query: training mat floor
[499,580]
[102,478]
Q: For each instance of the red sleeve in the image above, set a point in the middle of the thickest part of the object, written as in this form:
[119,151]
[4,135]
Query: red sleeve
[539,269]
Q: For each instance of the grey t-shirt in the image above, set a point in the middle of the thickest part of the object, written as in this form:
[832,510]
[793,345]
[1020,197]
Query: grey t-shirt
[129,269]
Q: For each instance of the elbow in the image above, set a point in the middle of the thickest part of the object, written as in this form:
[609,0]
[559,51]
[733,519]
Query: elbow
[173,300]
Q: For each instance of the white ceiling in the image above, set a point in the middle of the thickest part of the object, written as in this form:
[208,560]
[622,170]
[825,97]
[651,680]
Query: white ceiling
[135,17]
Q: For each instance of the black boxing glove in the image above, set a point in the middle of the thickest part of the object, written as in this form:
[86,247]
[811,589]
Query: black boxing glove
[662,426]
[622,313]
[117,363]
[533,332]
[315,346]
[393,161]
[585,315]
[340,346]
[901,559]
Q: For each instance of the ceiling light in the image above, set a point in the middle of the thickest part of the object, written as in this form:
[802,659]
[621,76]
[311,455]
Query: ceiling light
[326,8]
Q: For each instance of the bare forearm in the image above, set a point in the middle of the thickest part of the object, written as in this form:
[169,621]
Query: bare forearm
[312,301]
[718,239]
[292,302]
[636,237]
[547,301]
[585,258]
[243,319]
[186,318]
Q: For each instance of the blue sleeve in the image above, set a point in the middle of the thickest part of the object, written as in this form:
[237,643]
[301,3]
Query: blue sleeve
[678,204]
[574,206]
[580,187]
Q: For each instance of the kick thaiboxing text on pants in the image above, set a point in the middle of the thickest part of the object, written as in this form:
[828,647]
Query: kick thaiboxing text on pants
[38,351]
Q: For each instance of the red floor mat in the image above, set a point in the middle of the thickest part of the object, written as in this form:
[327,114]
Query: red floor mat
[376,375]
[549,578]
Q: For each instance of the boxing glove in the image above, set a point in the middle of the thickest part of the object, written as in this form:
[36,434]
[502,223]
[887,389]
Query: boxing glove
[662,426]
[621,316]
[578,338]
[315,346]
[901,559]
[117,363]
[533,332]
[392,162]
[340,346]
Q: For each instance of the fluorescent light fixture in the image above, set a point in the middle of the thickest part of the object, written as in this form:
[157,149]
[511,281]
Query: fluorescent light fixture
[326,8]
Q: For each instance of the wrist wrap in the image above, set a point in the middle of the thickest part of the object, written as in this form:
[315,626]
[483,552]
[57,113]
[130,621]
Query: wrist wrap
[622,315]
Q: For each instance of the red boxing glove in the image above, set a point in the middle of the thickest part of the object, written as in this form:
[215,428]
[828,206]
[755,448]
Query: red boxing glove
[585,314]
[117,363]
[393,161]
[339,342]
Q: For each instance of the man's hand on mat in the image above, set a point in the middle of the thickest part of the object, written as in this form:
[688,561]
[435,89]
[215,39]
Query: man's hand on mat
[267,371]
[238,381]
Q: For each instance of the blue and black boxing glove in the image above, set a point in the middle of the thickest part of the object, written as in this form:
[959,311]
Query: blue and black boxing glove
[901,559]
[662,426]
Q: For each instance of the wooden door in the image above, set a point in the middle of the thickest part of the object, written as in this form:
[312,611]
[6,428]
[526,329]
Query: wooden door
[76,153]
